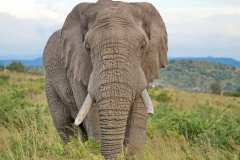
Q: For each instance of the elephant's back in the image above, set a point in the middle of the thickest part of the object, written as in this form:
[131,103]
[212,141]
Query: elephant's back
[55,72]
[52,54]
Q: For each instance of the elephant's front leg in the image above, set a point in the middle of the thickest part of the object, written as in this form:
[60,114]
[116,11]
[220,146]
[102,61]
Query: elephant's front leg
[60,115]
[136,132]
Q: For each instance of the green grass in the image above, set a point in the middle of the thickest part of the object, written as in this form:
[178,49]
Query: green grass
[204,125]
[3,79]
[185,126]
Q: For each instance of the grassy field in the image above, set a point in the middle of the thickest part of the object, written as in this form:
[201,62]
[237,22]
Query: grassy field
[185,126]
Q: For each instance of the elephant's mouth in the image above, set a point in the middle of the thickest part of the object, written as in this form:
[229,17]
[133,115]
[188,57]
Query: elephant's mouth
[87,104]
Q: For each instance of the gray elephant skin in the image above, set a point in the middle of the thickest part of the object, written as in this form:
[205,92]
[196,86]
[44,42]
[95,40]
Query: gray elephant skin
[110,50]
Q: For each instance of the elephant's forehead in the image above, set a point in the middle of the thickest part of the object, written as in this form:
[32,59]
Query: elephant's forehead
[118,10]
[104,1]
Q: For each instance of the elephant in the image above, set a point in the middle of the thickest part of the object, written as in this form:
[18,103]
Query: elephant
[98,67]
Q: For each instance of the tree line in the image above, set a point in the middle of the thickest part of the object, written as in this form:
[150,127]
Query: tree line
[17,66]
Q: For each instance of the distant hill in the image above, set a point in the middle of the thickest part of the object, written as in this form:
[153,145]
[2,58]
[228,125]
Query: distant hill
[28,63]
[227,61]
[199,75]
[217,60]
[194,74]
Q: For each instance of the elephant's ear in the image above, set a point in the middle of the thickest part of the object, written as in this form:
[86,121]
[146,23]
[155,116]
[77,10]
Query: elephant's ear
[74,55]
[156,55]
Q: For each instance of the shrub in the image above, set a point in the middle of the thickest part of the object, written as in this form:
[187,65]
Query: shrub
[160,95]
[1,67]
[16,66]
[232,94]
[238,90]
[216,88]
[203,125]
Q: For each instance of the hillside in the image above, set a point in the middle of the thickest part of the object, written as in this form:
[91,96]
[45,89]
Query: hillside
[217,60]
[185,126]
[192,74]
[199,75]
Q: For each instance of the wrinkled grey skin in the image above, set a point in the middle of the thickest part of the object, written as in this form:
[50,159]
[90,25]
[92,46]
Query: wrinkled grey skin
[122,46]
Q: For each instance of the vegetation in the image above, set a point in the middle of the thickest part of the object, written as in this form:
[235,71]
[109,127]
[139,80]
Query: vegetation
[16,66]
[1,67]
[185,126]
[199,76]
[215,87]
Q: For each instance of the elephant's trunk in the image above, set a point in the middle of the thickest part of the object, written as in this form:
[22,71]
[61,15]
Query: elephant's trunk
[114,83]
[114,106]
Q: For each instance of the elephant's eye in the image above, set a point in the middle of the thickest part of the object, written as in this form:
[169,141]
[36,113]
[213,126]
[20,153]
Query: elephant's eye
[143,45]
[87,47]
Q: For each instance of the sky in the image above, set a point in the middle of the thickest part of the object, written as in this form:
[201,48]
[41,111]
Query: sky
[196,28]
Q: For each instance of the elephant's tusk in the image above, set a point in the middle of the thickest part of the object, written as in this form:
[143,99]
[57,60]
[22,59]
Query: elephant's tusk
[147,101]
[83,110]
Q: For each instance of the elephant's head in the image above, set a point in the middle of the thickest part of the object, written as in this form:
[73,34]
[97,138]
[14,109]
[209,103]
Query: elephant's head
[115,49]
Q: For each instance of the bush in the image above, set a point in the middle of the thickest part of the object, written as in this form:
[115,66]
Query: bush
[16,66]
[238,90]
[203,125]
[1,67]
[216,88]
[160,95]
[232,94]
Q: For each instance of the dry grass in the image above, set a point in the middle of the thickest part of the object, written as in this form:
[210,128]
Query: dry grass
[27,132]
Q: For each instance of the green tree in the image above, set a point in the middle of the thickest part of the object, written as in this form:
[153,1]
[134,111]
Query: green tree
[216,88]
[16,66]
[238,90]
[1,67]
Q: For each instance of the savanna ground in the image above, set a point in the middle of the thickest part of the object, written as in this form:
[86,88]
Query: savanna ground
[185,126]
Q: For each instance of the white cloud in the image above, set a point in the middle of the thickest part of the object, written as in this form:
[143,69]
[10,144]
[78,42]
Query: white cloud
[194,27]
[35,9]
[203,31]
[23,38]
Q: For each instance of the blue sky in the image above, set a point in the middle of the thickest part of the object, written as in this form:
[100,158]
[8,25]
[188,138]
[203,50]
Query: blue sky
[196,28]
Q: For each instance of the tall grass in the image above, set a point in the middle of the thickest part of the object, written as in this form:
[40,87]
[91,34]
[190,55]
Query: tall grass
[204,125]
[204,131]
